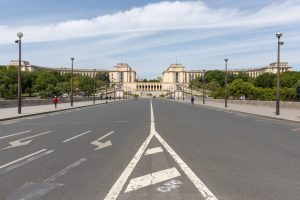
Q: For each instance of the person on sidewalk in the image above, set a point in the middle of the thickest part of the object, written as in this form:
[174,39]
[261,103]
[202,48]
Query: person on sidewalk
[55,101]
[192,99]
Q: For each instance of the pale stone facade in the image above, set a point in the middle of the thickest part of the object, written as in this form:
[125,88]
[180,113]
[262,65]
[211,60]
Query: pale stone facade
[175,77]
[255,72]
[26,66]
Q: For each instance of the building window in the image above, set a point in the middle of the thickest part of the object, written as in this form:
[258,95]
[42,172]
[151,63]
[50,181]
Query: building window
[176,77]
[122,77]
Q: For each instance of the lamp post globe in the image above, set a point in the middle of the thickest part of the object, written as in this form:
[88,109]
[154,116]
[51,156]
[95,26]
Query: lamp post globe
[20,35]
[279,35]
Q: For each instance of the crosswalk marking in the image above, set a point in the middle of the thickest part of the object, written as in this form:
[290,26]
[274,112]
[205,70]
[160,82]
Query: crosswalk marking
[151,179]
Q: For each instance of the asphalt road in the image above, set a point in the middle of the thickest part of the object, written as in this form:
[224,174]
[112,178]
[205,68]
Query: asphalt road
[142,149]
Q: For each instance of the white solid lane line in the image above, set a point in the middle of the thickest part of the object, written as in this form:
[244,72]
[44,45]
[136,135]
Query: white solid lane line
[119,184]
[72,138]
[23,162]
[33,136]
[15,161]
[154,150]
[15,134]
[206,193]
[151,179]
[10,122]
[64,171]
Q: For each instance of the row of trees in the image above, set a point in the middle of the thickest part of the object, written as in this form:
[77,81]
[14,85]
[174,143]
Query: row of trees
[47,83]
[242,85]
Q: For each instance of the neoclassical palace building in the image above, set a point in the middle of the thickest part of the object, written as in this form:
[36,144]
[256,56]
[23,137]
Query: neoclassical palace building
[122,76]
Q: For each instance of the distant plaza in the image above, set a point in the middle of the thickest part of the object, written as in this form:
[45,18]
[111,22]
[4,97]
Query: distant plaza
[122,76]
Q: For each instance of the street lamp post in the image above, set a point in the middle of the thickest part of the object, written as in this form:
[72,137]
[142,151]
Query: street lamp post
[278,35]
[114,93]
[94,86]
[72,60]
[203,87]
[177,91]
[225,93]
[20,35]
[183,93]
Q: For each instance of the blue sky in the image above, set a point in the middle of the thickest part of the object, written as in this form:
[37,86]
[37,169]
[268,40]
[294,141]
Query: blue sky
[150,34]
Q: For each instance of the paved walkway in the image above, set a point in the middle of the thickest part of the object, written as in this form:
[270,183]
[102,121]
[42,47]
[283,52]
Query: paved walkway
[285,113]
[11,113]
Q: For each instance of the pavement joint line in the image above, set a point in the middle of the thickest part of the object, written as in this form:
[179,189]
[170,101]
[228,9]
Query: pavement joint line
[296,129]
[154,151]
[76,136]
[20,159]
[53,111]
[11,135]
[152,178]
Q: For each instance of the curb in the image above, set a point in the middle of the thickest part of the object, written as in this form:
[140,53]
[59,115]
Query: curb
[53,111]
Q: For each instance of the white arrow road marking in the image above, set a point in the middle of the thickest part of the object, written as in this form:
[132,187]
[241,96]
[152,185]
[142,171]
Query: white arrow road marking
[154,150]
[15,134]
[35,190]
[72,138]
[19,142]
[151,179]
[101,145]
[119,184]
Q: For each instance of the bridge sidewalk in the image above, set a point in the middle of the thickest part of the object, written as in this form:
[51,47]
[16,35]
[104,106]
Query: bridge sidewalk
[12,113]
[290,114]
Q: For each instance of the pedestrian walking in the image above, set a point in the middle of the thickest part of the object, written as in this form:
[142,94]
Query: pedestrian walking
[55,101]
[192,99]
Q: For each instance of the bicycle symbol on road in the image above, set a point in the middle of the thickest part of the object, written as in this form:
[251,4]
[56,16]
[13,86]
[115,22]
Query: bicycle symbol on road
[172,184]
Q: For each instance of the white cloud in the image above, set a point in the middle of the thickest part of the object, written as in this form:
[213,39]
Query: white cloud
[159,16]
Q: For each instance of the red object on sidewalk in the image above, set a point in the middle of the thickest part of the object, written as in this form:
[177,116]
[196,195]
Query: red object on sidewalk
[55,100]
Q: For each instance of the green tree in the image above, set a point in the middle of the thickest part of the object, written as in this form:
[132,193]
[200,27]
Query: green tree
[215,75]
[28,79]
[240,88]
[289,79]
[103,76]
[86,85]
[196,83]
[212,86]
[8,82]
[265,80]
[45,82]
